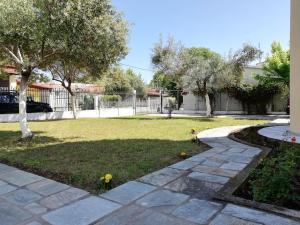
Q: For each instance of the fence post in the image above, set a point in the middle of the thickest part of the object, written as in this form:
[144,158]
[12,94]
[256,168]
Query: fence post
[134,102]
[149,104]
[96,102]
[161,101]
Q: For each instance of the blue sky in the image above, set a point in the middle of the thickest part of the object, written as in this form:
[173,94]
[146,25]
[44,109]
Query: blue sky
[220,25]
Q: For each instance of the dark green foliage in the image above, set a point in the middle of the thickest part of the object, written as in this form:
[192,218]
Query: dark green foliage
[111,98]
[278,179]
[254,98]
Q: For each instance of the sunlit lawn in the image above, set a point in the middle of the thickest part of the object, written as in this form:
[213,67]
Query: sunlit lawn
[79,152]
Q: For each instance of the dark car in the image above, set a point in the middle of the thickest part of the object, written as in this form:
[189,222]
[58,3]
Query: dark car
[9,103]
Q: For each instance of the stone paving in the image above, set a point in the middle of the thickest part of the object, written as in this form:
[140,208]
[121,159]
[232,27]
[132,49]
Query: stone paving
[279,133]
[181,194]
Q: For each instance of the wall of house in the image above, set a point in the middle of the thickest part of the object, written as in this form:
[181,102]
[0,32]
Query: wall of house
[230,105]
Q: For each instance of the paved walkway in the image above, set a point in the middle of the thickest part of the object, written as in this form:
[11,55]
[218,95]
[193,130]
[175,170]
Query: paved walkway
[180,194]
[280,133]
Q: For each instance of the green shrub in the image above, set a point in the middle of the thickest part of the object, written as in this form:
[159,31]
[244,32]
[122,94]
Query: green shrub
[277,181]
[111,98]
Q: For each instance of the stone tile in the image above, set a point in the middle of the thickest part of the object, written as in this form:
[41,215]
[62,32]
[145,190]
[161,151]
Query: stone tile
[47,187]
[4,168]
[197,211]
[35,208]
[83,212]
[218,149]
[33,223]
[233,166]
[257,216]
[230,220]
[128,192]
[22,197]
[12,215]
[208,177]
[197,158]
[251,152]
[213,163]
[239,158]
[4,189]
[235,150]
[162,177]
[194,188]
[62,198]
[215,171]
[136,215]
[20,178]
[184,165]
[163,200]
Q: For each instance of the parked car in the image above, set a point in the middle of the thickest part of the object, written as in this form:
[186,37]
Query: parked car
[9,103]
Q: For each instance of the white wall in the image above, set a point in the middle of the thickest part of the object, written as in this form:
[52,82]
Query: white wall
[103,113]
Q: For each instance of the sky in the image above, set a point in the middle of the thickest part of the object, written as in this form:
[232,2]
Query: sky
[221,25]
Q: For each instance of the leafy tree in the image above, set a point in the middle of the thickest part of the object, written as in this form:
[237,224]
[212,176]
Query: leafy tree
[277,68]
[167,83]
[118,81]
[94,39]
[25,42]
[200,68]
[136,82]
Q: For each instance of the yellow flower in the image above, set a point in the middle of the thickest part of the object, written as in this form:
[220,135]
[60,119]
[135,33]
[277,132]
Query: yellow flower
[108,176]
[107,181]
[183,153]
[102,178]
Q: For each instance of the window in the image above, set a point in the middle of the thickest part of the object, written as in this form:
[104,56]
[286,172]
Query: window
[4,99]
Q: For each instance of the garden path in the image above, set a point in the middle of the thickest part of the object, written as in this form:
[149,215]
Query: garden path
[181,194]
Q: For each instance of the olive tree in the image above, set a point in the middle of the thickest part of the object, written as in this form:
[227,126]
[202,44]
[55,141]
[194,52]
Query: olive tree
[25,43]
[200,68]
[35,34]
[94,38]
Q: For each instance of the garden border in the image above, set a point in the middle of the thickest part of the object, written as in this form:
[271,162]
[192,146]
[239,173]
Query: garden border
[226,193]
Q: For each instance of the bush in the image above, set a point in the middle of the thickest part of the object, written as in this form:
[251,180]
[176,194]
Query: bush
[111,98]
[277,181]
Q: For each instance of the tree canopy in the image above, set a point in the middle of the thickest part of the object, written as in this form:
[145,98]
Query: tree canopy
[277,67]
[120,82]
[78,37]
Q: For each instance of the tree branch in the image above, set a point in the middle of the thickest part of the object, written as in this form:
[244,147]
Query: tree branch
[20,55]
[16,59]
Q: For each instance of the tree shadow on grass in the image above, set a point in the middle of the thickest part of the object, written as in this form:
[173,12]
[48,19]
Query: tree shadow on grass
[10,140]
[81,164]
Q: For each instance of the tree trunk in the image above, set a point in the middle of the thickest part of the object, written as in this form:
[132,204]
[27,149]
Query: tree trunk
[227,102]
[208,105]
[73,102]
[26,133]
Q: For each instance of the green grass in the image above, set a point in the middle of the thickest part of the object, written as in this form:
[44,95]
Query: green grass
[79,152]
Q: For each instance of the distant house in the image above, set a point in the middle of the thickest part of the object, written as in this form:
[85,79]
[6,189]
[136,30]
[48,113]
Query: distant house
[225,104]
[8,77]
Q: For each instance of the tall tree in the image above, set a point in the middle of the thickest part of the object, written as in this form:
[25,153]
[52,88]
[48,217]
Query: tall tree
[200,68]
[120,82]
[277,67]
[95,37]
[26,43]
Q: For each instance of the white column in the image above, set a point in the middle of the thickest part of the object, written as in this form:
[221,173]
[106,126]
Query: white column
[295,67]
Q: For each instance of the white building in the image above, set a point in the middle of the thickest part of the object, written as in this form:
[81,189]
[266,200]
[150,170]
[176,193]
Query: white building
[225,104]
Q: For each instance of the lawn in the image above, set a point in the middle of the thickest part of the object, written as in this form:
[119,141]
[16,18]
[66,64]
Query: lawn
[79,152]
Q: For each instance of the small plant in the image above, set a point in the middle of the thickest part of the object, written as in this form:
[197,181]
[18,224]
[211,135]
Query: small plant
[195,140]
[183,155]
[106,182]
[193,131]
